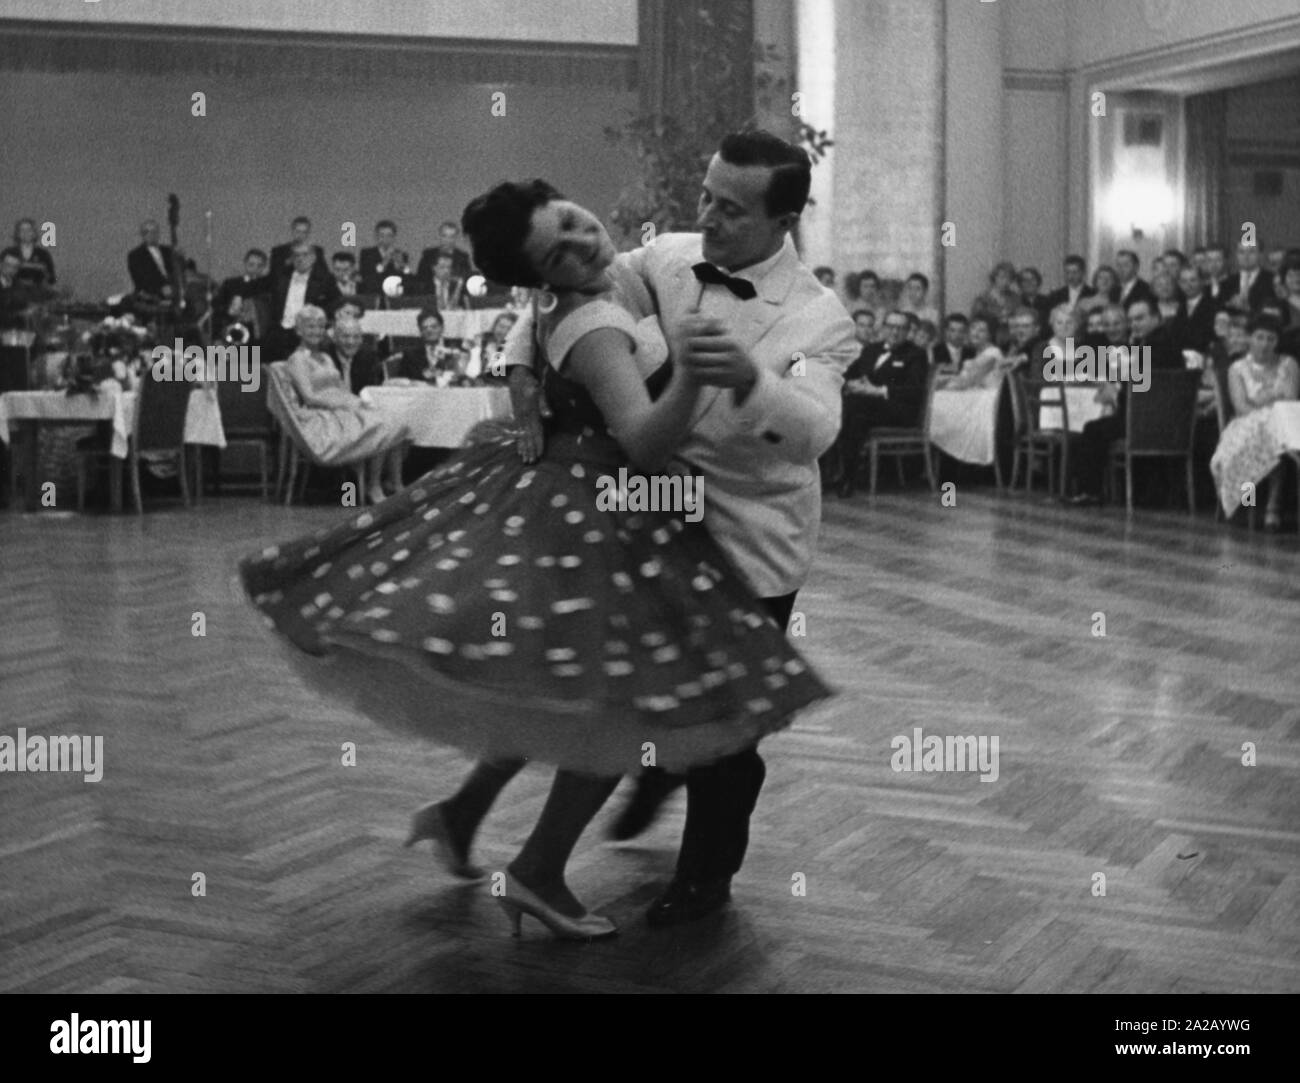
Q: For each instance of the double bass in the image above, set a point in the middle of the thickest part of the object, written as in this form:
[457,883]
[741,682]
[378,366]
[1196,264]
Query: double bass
[189,299]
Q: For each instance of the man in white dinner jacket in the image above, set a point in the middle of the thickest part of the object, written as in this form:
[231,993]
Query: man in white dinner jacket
[737,305]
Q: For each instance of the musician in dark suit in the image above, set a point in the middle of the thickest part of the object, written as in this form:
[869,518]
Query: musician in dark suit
[448,235]
[282,254]
[357,361]
[1251,285]
[384,260]
[1131,287]
[1076,289]
[308,283]
[36,265]
[885,386]
[447,289]
[150,263]
[231,302]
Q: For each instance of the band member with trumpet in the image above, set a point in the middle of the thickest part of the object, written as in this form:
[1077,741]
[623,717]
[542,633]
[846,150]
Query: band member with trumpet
[384,260]
[236,301]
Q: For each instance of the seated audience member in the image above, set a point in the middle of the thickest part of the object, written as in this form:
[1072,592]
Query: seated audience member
[1173,261]
[356,360]
[35,264]
[871,297]
[915,299]
[1031,293]
[350,308]
[955,349]
[1216,275]
[245,298]
[447,290]
[461,268]
[382,261]
[1249,447]
[1149,331]
[336,425]
[1023,344]
[885,386]
[343,266]
[1092,323]
[1105,285]
[1291,283]
[1114,328]
[1168,298]
[982,370]
[864,325]
[1076,289]
[1000,300]
[433,361]
[826,276]
[1194,327]
[923,335]
[1219,356]
[282,261]
[1251,285]
[1064,322]
[1132,287]
[492,344]
[150,263]
[521,297]
[307,284]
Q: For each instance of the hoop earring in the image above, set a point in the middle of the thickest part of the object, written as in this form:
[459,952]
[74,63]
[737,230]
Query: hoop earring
[546,301]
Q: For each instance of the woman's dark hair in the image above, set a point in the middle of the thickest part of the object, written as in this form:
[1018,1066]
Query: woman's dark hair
[1265,321]
[497,225]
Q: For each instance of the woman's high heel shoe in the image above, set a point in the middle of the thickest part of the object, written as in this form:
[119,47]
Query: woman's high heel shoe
[519,901]
[430,823]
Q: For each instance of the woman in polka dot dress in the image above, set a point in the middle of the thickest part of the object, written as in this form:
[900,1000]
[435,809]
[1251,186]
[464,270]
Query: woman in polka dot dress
[499,608]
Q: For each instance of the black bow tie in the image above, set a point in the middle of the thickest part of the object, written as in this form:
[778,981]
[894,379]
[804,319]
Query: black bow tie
[709,274]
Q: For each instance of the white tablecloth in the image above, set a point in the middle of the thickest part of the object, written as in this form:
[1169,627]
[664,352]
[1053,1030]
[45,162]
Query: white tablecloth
[1080,400]
[458,323]
[442,416]
[202,416]
[964,424]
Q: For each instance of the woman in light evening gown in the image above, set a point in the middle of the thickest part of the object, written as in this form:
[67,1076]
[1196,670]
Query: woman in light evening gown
[499,607]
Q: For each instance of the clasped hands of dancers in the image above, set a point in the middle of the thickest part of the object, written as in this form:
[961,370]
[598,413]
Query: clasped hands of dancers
[715,354]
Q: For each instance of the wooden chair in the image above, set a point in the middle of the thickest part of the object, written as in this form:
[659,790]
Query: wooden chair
[159,425]
[247,422]
[1159,424]
[1033,442]
[898,443]
[283,403]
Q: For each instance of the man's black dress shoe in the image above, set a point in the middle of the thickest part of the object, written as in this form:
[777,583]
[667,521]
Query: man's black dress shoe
[688,900]
[652,790]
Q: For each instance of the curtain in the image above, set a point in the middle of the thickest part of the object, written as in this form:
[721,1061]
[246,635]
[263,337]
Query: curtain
[1206,117]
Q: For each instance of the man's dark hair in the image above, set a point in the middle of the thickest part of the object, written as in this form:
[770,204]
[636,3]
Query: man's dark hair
[385,223]
[1216,247]
[453,225]
[787,191]
[1076,261]
[824,270]
[956,317]
[498,223]
[343,257]
[1152,308]
[302,218]
[917,276]
[429,313]
[863,312]
[1179,256]
[1038,275]
[868,276]
[256,252]
[1131,255]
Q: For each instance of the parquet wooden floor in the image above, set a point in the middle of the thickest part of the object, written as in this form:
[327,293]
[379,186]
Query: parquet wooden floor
[1118,755]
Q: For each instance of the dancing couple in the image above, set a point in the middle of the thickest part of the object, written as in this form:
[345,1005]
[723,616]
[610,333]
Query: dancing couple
[496,607]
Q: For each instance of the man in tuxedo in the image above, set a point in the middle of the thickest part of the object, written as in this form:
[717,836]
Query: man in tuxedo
[1251,286]
[885,386]
[1025,345]
[448,291]
[1146,331]
[1075,290]
[448,235]
[343,269]
[739,308]
[954,349]
[150,263]
[1194,327]
[384,260]
[307,283]
[254,285]
[357,362]
[1216,275]
[1131,287]
[282,261]
[429,361]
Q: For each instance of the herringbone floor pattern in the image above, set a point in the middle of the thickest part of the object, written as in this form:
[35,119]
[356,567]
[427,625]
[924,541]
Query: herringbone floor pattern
[1118,755]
